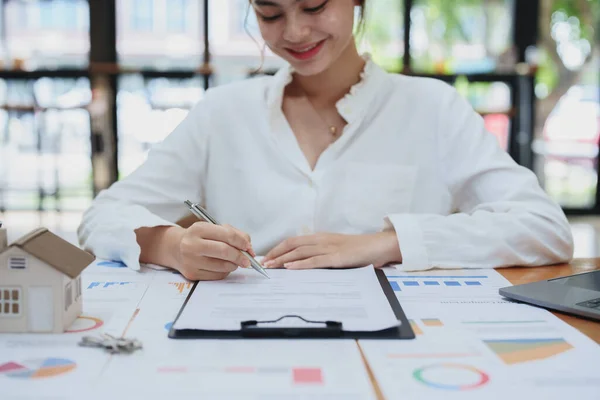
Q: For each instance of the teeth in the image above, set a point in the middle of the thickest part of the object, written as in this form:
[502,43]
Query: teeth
[307,49]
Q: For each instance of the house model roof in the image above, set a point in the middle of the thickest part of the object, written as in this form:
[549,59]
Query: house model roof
[55,251]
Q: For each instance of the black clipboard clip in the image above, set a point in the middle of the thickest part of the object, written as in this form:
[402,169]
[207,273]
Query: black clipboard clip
[325,329]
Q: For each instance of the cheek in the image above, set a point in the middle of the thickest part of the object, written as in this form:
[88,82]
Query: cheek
[337,24]
[270,33]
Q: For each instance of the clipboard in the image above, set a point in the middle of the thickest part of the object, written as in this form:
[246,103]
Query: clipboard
[314,330]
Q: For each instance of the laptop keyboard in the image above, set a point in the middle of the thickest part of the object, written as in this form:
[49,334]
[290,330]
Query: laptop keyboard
[591,304]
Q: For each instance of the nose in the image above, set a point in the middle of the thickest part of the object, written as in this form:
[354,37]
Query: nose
[296,29]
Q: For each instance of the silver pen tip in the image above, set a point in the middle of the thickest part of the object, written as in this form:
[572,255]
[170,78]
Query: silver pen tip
[264,273]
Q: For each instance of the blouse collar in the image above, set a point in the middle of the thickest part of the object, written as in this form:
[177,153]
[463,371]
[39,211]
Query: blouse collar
[352,106]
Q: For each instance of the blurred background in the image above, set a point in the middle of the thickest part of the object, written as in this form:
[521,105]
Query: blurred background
[88,86]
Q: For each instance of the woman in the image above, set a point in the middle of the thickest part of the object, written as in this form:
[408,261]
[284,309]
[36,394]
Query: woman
[333,162]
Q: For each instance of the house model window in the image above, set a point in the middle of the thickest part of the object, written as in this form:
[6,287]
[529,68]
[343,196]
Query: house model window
[10,301]
[17,263]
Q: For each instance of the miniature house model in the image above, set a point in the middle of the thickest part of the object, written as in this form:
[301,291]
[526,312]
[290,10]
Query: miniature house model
[40,283]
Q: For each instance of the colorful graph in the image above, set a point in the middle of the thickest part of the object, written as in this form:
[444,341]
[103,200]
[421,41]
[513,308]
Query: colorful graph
[36,369]
[515,351]
[399,281]
[84,324]
[182,286]
[299,376]
[105,285]
[432,322]
[416,329]
[456,377]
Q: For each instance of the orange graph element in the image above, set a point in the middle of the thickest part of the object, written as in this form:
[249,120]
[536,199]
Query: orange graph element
[181,286]
[432,322]
[416,329]
[47,372]
[515,351]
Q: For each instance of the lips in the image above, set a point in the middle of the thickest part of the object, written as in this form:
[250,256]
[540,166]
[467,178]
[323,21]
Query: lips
[306,52]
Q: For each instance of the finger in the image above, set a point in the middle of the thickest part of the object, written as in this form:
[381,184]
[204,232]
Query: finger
[223,251]
[244,234]
[218,250]
[210,264]
[288,245]
[247,237]
[222,234]
[300,253]
[195,274]
[321,261]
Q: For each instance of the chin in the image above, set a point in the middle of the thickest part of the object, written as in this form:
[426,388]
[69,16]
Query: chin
[309,69]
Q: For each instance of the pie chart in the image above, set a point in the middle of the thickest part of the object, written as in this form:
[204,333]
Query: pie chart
[37,368]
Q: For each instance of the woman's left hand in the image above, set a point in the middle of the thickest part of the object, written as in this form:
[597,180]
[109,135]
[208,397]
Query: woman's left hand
[331,250]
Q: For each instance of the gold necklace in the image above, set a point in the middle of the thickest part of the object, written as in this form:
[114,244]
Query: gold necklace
[333,130]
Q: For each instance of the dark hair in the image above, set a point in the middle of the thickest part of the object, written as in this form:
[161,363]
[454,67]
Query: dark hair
[359,30]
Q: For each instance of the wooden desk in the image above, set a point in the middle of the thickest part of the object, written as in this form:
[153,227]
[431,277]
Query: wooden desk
[526,275]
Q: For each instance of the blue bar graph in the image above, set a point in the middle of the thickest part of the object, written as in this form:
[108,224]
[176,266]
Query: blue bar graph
[451,283]
[473,283]
[106,284]
[395,286]
[410,283]
[431,283]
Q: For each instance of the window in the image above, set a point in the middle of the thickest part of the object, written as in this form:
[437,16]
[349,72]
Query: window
[49,33]
[461,36]
[176,16]
[160,34]
[10,301]
[142,16]
[17,263]
[68,295]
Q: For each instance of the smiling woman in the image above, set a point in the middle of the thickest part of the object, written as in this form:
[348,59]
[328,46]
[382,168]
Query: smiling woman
[332,162]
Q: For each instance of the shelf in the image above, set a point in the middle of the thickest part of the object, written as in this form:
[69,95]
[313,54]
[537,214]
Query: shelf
[32,109]
[105,68]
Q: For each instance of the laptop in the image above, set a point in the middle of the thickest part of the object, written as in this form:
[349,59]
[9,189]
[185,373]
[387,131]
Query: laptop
[575,294]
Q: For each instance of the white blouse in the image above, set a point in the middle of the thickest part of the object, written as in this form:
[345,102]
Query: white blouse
[415,157]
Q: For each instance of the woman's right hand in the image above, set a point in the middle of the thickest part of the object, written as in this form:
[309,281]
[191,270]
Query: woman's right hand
[211,252]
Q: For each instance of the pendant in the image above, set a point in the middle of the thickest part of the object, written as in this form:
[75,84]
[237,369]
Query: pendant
[333,130]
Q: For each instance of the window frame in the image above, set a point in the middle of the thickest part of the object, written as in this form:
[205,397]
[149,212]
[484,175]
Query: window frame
[11,302]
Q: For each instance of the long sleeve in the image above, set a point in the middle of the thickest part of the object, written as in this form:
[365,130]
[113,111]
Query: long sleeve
[502,217]
[152,195]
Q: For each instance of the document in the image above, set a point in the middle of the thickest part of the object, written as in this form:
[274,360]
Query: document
[472,286]
[351,296]
[488,350]
[238,370]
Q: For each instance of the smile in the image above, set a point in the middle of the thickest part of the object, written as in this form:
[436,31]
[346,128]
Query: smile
[307,52]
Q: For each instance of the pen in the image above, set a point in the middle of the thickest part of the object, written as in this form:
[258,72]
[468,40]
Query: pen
[200,212]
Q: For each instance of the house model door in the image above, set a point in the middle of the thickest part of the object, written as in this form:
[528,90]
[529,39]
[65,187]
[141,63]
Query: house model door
[40,311]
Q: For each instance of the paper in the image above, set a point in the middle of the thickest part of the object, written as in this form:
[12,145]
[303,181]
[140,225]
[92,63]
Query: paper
[473,286]
[238,369]
[483,347]
[45,367]
[351,296]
